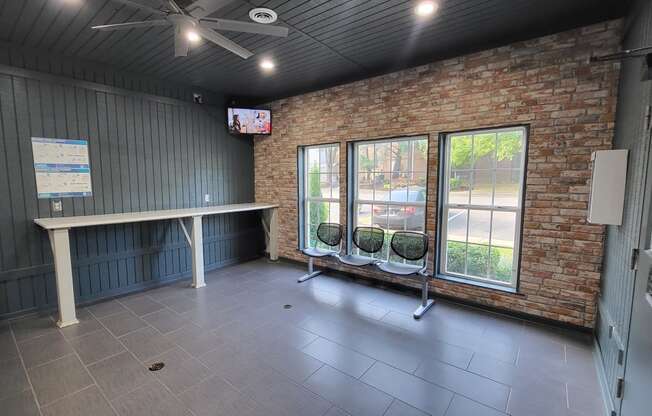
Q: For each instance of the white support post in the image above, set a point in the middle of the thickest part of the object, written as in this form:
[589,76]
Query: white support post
[273,234]
[60,242]
[197,247]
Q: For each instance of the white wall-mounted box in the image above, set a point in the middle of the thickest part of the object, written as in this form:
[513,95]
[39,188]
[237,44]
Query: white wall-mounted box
[607,187]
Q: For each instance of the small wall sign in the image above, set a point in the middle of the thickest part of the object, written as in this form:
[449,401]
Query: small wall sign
[62,168]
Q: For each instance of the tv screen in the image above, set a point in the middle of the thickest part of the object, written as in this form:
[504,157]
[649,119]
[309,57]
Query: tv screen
[249,121]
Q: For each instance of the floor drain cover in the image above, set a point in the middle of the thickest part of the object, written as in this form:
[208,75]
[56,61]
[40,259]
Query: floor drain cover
[156,366]
[287,306]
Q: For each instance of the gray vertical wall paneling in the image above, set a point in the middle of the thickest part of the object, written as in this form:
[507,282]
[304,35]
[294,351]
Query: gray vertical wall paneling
[214,258]
[5,208]
[223,179]
[165,157]
[84,287]
[617,278]
[6,219]
[29,186]
[128,174]
[145,154]
[8,126]
[35,111]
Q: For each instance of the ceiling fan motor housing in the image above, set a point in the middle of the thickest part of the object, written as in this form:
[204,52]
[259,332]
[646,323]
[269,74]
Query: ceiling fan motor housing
[263,15]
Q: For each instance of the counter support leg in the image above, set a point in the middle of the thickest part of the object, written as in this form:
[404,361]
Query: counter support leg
[197,248]
[273,234]
[60,242]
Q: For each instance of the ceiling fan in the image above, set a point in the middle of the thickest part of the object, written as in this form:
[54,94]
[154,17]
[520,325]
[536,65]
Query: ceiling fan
[191,24]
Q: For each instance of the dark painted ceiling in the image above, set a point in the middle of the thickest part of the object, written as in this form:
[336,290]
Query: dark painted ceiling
[330,42]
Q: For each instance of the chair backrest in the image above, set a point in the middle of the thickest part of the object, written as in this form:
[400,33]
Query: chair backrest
[369,239]
[410,245]
[329,233]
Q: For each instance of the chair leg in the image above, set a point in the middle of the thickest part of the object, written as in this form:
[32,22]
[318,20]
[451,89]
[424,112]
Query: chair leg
[311,272]
[425,302]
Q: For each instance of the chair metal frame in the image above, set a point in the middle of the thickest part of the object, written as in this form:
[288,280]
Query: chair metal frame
[311,266]
[426,302]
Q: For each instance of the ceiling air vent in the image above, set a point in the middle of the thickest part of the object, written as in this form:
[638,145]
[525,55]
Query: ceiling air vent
[263,15]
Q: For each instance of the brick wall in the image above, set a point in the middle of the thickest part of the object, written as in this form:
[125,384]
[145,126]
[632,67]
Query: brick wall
[546,83]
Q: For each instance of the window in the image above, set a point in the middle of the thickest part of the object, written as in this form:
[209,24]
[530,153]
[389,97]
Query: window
[319,190]
[389,187]
[482,203]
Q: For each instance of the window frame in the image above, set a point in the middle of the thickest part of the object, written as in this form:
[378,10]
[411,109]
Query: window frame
[302,191]
[444,207]
[352,184]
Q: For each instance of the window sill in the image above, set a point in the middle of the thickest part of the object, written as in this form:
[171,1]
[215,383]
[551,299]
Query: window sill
[475,283]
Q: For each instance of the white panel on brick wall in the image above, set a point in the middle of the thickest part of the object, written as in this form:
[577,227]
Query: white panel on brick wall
[607,187]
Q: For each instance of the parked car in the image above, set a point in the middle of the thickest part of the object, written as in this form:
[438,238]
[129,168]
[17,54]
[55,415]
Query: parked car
[402,217]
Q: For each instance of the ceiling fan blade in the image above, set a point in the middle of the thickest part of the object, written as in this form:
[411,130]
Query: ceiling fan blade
[132,25]
[173,5]
[203,8]
[238,26]
[141,6]
[224,42]
[181,41]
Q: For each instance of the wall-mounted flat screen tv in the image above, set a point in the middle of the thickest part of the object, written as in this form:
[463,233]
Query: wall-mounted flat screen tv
[249,121]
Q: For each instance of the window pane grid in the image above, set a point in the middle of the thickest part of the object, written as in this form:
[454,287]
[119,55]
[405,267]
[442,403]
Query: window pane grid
[390,188]
[321,190]
[483,183]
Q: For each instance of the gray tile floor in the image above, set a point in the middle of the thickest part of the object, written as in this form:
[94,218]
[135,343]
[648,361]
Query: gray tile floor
[343,348]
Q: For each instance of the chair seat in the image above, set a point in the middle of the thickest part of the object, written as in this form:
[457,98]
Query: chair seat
[317,252]
[359,261]
[399,269]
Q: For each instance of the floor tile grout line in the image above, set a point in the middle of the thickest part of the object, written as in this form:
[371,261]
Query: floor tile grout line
[431,383]
[106,316]
[509,399]
[158,381]
[65,396]
[441,341]
[52,360]
[347,375]
[103,359]
[313,373]
[403,330]
[482,376]
[241,391]
[27,376]
[94,380]
[468,366]
[129,332]
[128,352]
[18,343]
[366,371]
[83,335]
[422,359]
[391,404]
[450,403]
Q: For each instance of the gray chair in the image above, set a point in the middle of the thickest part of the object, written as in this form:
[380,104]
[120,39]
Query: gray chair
[331,235]
[412,246]
[368,239]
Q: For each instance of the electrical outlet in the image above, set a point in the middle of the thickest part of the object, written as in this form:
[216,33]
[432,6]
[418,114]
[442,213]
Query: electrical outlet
[207,198]
[57,205]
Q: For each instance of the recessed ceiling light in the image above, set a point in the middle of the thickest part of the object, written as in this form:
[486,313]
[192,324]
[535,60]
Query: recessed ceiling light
[267,64]
[426,8]
[193,36]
